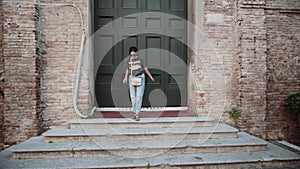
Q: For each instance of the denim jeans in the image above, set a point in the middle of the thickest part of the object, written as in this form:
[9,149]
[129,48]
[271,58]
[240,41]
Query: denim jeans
[136,94]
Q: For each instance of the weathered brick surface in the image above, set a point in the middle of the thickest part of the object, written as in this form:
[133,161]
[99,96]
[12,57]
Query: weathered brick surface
[269,67]
[20,74]
[214,87]
[282,4]
[283,37]
[247,56]
[1,78]
[61,27]
[252,80]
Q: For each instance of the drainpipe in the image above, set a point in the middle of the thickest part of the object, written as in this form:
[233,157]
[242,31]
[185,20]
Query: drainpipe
[79,63]
[75,96]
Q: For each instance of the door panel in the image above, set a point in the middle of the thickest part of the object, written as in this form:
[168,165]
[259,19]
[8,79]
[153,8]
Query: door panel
[176,5]
[165,56]
[155,62]
[176,65]
[129,4]
[153,54]
[153,5]
[105,72]
[105,4]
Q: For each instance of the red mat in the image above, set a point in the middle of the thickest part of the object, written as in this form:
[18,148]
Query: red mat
[147,114]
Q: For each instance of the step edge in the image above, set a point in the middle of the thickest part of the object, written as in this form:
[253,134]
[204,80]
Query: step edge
[139,132]
[133,148]
[243,139]
[100,121]
[135,134]
[237,162]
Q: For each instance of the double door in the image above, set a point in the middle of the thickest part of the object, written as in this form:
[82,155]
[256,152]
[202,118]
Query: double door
[160,36]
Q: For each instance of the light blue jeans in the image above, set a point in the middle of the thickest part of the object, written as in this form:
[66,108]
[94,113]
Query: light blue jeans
[136,94]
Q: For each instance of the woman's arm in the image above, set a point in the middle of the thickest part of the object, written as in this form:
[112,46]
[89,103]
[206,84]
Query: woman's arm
[126,76]
[149,74]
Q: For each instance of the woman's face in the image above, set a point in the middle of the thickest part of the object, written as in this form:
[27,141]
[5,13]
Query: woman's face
[133,53]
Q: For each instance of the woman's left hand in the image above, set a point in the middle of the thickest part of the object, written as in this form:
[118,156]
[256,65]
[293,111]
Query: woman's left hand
[153,80]
[125,81]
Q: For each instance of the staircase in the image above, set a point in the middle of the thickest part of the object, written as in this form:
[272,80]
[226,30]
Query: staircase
[174,142]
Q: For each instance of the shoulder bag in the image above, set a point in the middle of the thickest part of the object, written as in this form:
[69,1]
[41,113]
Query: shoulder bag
[135,81]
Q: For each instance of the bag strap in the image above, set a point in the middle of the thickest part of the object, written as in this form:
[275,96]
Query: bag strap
[131,65]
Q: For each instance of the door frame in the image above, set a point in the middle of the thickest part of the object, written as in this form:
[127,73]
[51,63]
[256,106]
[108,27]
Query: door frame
[91,74]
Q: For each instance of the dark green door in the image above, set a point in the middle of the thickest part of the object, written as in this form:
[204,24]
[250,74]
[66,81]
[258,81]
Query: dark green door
[165,55]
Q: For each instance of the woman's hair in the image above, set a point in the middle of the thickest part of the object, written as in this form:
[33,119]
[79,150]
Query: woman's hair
[132,49]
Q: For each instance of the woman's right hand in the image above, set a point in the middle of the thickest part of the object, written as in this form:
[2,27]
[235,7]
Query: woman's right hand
[125,81]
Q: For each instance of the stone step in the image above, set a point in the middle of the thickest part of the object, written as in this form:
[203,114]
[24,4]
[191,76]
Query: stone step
[274,157]
[37,148]
[166,122]
[64,134]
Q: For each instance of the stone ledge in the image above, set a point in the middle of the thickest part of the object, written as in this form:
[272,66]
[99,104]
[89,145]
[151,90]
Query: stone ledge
[37,148]
[275,157]
[143,123]
[63,134]
[143,120]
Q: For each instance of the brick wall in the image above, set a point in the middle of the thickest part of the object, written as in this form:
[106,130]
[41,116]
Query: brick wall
[268,53]
[20,110]
[283,36]
[40,50]
[282,4]
[252,67]
[213,66]
[248,55]
[1,79]
[61,32]
[219,21]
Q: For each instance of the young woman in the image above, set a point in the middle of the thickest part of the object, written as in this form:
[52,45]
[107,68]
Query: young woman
[136,68]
